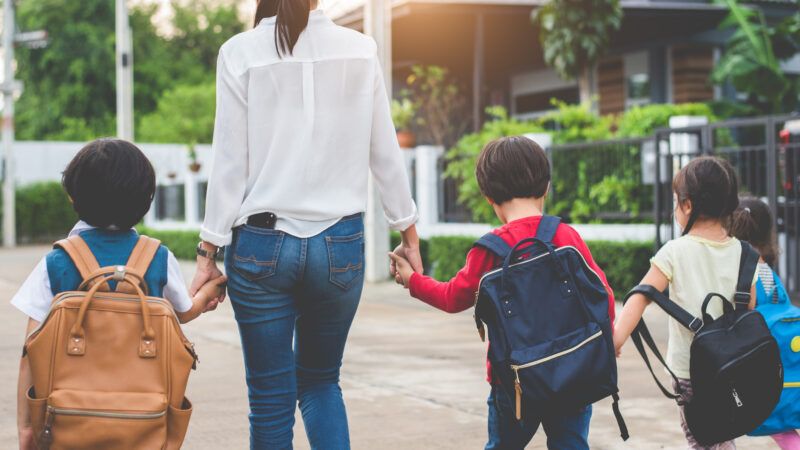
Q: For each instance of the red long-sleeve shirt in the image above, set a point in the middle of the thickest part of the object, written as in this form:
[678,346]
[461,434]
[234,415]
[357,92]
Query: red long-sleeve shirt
[458,294]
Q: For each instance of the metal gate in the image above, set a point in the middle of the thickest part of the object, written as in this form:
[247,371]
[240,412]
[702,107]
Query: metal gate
[765,152]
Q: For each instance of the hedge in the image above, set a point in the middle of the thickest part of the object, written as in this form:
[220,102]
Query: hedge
[181,242]
[44,213]
[624,263]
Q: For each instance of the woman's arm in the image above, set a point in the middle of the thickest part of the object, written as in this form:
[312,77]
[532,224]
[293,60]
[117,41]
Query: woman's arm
[228,178]
[634,308]
[24,382]
[388,169]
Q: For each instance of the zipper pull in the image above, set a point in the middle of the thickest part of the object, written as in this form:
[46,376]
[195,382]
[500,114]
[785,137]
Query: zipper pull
[195,358]
[518,396]
[46,438]
[737,399]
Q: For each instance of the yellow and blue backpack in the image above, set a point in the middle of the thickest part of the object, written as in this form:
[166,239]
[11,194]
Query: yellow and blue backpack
[783,320]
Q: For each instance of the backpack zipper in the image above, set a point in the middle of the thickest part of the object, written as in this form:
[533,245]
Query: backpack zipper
[47,432]
[517,367]
[566,247]
[736,398]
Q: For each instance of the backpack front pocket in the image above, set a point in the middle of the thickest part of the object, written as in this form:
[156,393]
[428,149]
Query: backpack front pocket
[104,420]
[565,369]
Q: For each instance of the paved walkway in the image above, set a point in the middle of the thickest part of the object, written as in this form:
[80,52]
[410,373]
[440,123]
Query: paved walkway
[412,379]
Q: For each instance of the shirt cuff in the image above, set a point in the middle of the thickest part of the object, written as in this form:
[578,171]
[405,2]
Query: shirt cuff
[404,223]
[413,284]
[220,240]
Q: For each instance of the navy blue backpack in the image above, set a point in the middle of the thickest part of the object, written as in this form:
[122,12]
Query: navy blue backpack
[546,310]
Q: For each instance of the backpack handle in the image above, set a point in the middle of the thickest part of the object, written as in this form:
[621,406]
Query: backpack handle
[114,271]
[726,306]
[76,346]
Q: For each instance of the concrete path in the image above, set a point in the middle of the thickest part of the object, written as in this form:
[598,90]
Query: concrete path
[413,378]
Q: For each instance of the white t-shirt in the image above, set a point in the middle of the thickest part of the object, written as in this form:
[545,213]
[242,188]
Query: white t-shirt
[696,267]
[34,296]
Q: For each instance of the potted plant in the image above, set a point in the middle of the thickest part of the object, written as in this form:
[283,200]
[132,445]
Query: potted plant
[403,111]
[194,164]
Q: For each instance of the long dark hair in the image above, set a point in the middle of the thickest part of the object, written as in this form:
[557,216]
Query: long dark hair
[291,19]
[712,186]
[752,222]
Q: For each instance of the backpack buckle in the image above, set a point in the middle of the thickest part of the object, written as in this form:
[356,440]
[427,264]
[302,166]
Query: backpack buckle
[741,298]
[696,325]
[119,273]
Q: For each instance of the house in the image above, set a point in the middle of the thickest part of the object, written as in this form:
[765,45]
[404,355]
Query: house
[664,51]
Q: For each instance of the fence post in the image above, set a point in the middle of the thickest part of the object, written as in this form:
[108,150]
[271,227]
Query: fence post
[657,190]
[427,184]
[772,166]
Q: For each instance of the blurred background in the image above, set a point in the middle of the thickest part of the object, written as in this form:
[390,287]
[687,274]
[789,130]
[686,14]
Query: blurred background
[621,93]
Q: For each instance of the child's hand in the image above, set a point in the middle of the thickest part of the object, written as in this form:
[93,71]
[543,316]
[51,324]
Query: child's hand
[618,343]
[211,291]
[403,268]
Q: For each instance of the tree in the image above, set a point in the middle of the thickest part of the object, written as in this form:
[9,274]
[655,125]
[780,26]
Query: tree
[184,114]
[575,34]
[70,85]
[753,55]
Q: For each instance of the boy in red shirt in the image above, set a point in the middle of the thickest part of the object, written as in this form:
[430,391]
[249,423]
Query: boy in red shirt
[514,175]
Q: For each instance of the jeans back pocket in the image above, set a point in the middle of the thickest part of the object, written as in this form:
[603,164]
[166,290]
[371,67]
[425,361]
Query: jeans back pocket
[346,257]
[256,251]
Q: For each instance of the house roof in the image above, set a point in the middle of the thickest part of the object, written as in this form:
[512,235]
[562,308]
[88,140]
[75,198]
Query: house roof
[348,12]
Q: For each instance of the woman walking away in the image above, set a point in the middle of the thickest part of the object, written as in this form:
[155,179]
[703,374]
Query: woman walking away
[302,119]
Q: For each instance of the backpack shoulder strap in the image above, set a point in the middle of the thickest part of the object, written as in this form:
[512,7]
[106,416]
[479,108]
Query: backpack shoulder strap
[747,270]
[81,256]
[494,244]
[140,259]
[547,228]
[676,312]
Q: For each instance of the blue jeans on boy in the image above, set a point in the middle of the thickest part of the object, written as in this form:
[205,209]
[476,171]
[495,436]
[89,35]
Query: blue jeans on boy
[564,432]
[294,300]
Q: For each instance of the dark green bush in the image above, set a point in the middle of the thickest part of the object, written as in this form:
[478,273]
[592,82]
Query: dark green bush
[181,242]
[44,212]
[624,263]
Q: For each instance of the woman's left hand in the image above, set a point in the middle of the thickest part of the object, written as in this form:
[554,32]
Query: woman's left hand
[206,271]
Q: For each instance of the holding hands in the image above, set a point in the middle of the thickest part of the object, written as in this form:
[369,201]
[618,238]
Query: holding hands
[406,259]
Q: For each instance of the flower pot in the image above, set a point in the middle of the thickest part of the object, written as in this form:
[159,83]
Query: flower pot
[406,139]
[195,167]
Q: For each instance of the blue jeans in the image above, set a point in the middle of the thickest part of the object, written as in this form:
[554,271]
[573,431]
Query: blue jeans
[294,300]
[564,432]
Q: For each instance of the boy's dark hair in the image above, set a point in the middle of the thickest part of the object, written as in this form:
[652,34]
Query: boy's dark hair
[752,222]
[111,183]
[512,167]
[712,186]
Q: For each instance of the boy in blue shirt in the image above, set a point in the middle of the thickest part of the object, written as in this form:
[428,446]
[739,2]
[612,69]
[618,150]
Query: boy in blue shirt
[111,184]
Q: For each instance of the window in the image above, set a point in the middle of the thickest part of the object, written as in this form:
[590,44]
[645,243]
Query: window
[637,79]
[170,202]
[532,93]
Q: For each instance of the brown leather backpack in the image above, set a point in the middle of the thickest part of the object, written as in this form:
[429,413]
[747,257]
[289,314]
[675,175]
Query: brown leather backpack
[109,368]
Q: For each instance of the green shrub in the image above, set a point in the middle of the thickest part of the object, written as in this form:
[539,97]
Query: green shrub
[461,159]
[181,242]
[44,212]
[641,121]
[624,263]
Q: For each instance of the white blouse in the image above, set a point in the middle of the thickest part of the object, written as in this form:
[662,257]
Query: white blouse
[298,135]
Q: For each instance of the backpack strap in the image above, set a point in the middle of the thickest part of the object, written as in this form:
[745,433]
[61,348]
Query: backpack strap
[747,270]
[676,312]
[641,336]
[494,244]
[81,256]
[139,260]
[547,228]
